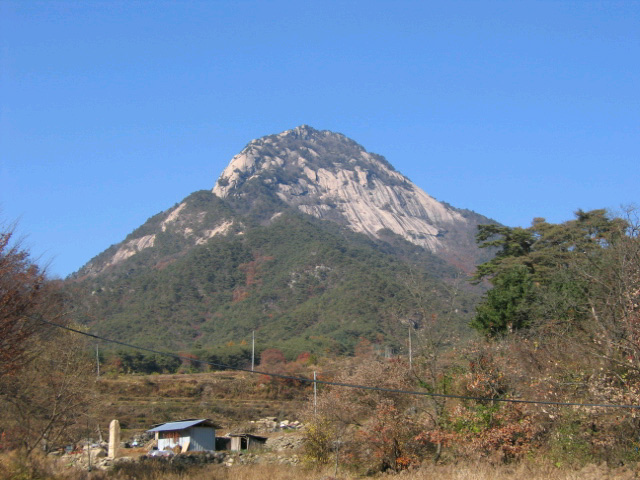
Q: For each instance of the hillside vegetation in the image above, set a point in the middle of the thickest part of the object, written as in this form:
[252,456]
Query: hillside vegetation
[306,239]
[299,283]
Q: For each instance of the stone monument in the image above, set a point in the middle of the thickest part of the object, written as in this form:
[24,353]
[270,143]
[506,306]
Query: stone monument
[114,438]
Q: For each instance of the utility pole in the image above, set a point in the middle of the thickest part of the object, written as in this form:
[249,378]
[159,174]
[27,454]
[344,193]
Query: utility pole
[410,351]
[97,360]
[88,447]
[253,349]
[315,395]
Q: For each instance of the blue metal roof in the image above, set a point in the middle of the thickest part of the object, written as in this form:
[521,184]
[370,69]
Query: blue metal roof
[181,425]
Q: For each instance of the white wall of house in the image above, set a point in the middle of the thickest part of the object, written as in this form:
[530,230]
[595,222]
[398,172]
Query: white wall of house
[167,441]
[198,438]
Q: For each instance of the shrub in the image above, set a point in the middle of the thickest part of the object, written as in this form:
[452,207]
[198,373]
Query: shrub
[319,439]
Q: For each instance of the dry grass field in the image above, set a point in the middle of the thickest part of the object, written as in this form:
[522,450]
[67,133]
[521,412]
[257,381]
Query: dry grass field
[230,398]
[15,468]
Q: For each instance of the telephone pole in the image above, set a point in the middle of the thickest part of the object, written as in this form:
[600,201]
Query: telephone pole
[253,349]
[315,395]
[410,351]
[97,360]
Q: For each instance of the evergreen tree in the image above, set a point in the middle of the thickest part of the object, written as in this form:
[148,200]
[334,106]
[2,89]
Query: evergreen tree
[543,272]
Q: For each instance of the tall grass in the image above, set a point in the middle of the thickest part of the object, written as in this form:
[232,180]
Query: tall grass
[14,466]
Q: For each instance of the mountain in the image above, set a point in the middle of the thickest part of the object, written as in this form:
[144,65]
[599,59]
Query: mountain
[329,176]
[306,237]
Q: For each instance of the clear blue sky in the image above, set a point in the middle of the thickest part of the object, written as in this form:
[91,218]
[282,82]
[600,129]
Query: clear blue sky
[111,112]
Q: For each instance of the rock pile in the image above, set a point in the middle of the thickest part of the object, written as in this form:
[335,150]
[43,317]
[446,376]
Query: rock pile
[248,458]
[94,456]
[285,442]
[271,424]
[267,424]
[286,424]
[189,459]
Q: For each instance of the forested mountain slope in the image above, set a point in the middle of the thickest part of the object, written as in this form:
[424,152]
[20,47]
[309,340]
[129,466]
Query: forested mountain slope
[306,238]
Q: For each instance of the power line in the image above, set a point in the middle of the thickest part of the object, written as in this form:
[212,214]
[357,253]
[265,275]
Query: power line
[339,384]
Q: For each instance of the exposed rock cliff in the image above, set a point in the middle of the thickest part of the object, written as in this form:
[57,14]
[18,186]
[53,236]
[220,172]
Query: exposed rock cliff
[329,176]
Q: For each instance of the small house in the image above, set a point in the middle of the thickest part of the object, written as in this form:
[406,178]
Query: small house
[190,435]
[223,443]
[246,441]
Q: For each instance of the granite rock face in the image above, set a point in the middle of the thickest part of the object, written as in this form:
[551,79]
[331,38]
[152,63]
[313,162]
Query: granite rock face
[331,177]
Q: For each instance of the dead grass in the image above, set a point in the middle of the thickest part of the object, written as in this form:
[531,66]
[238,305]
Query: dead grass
[528,471]
[431,472]
[139,401]
[17,466]
[428,472]
[13,466]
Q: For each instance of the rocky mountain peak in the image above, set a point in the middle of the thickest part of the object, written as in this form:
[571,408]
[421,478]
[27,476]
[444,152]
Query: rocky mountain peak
[330,176]
[320,173]
[288,152]
[305,132]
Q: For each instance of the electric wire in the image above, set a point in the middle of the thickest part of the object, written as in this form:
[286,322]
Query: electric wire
[339,384]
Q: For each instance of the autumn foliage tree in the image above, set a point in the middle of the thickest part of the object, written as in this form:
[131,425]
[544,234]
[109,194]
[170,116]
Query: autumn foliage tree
[47,403]
[391,436]
[614,297]
[21,291]
[272,357]
[45,375]
[373,430]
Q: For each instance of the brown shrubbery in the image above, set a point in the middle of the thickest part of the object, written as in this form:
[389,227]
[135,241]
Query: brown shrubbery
[45,375]
[23,293]
[370,430]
